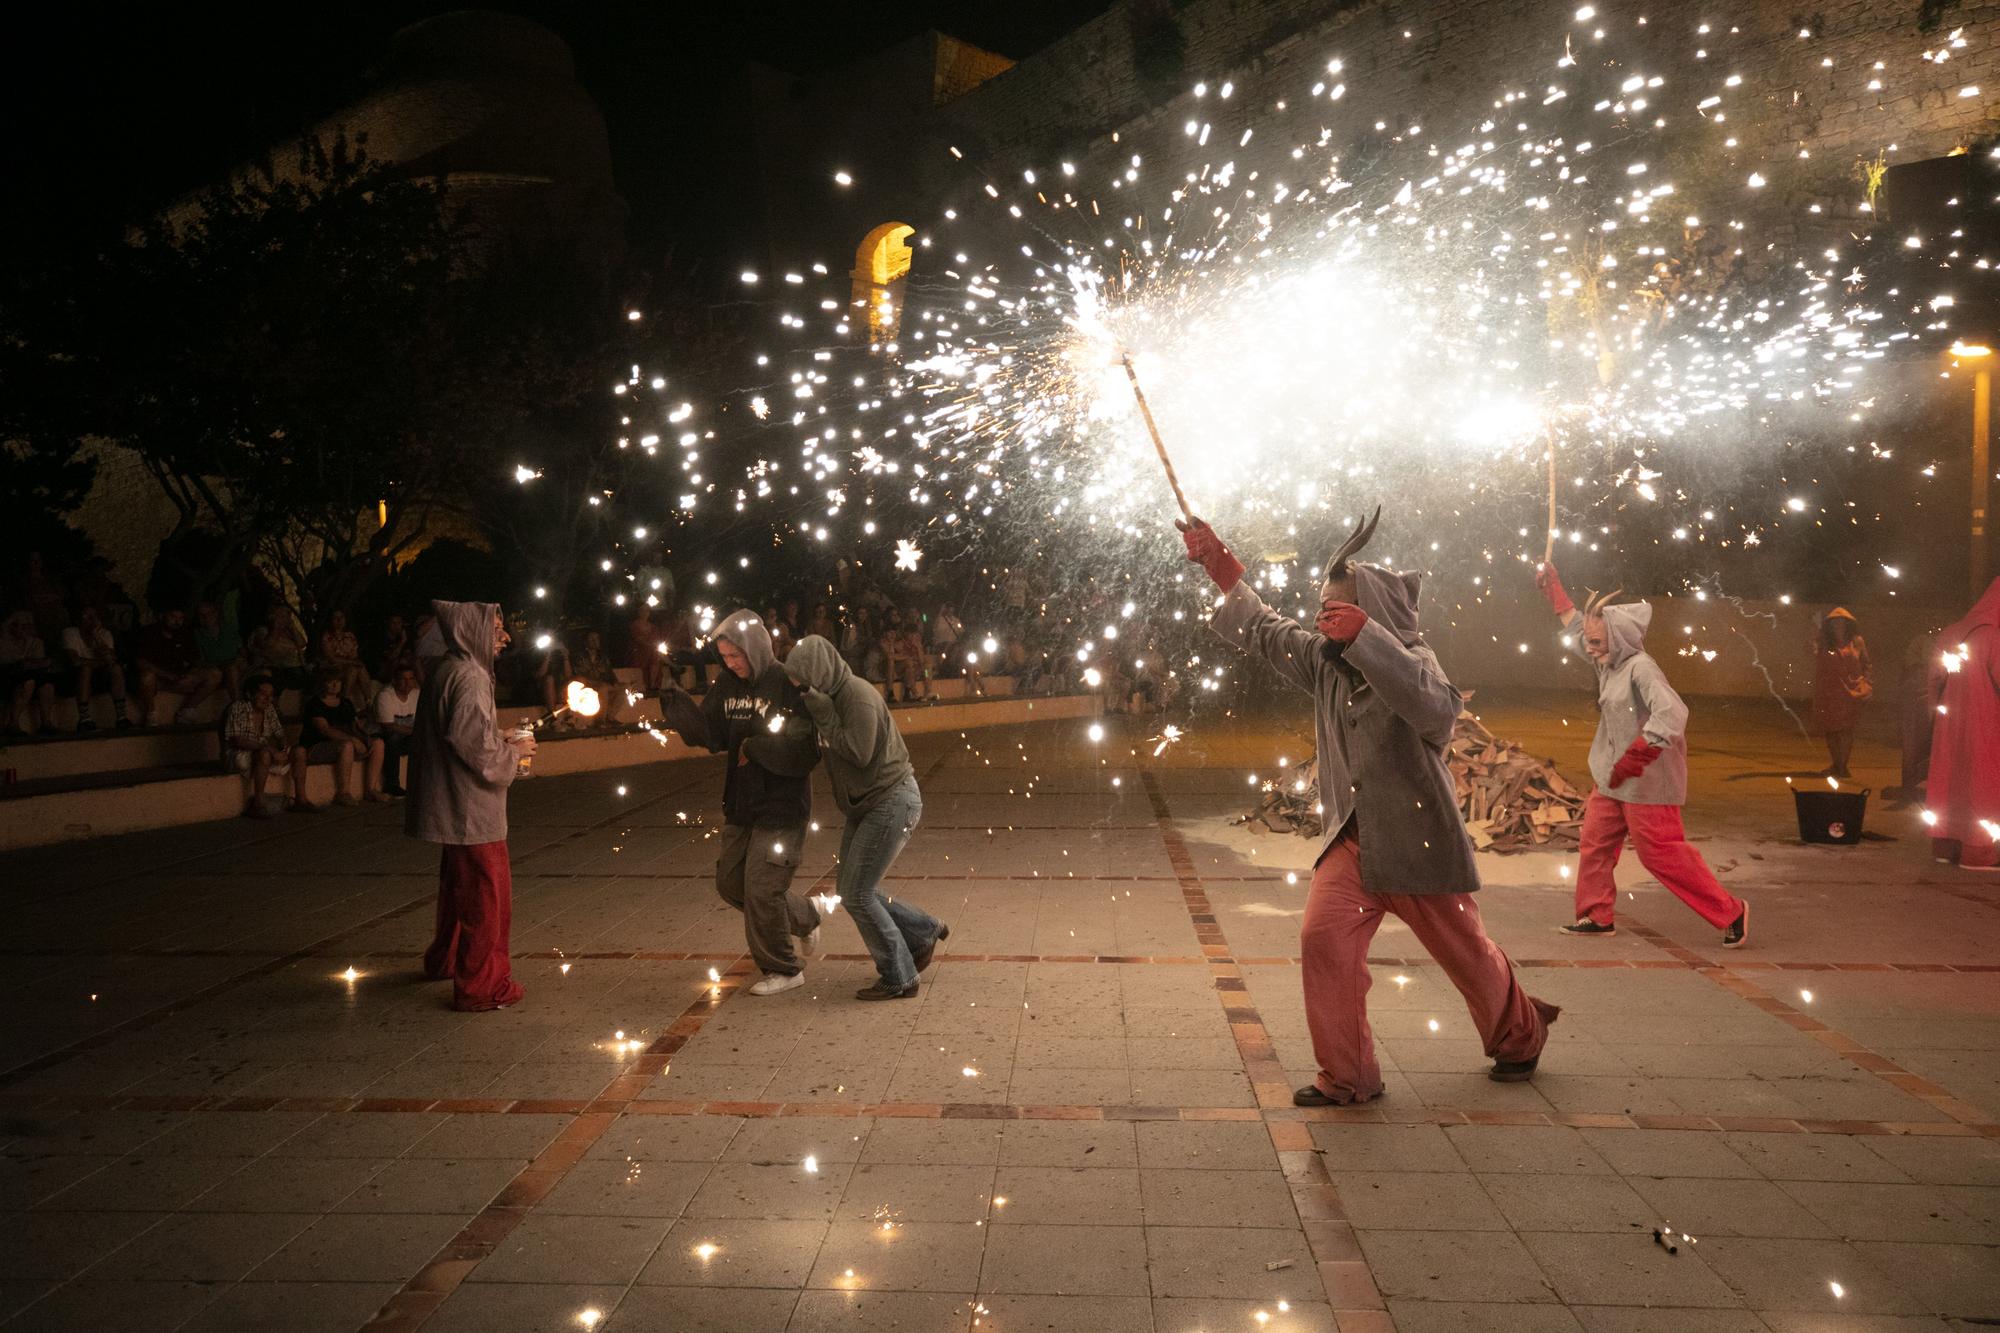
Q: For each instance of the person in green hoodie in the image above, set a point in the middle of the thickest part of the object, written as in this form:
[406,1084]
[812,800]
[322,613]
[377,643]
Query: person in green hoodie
[876,789]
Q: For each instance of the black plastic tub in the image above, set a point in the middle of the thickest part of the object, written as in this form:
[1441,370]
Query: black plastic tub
[1831,816]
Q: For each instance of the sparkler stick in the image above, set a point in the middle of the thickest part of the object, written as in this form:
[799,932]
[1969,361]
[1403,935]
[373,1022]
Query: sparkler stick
[1159,446]
[1549,551]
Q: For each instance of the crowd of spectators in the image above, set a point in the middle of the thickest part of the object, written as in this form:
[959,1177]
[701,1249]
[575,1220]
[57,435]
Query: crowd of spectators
[68,638]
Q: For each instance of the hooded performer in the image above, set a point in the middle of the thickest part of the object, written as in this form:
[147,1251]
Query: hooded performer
[460,768]
[754,713]
[1383,713]
[1964,788]
[876,789]
[1639,760]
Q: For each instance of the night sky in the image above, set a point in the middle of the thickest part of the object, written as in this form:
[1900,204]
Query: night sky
[112,111]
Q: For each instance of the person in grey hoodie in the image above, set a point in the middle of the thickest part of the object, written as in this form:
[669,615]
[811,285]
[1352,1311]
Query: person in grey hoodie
[876,789]
[460,769]
[1383,712]
[753,713]
[1638,759]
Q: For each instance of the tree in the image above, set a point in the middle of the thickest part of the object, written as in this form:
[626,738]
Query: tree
[280,352]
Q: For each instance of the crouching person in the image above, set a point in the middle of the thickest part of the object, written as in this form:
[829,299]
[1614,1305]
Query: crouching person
[460,768]
[755,716]
[875,787]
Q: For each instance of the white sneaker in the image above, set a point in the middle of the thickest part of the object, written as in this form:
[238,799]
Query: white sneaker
[809,944]
[774,982]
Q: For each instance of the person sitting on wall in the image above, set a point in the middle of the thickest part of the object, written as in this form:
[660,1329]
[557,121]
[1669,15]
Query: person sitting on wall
[28,675]
[278,649]
[168,658]
[93,652]
[593,667]
[220,640]
[255,737]
[334,734]
[340,650]
[396,720]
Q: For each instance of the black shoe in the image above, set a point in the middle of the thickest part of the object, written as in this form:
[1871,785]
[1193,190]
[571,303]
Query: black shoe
[124,724]
[1513,1071]
[1310,1095]
[880,992]
[1739,930]
[1585,926]
[86,724]
[922,958]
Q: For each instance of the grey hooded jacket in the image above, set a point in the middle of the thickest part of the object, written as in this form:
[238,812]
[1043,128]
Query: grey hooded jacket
[1383,713]
[865,754]
[1634,699]
[460,764]
[760,718]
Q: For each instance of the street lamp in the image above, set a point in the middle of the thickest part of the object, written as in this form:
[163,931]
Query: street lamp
[1979,359]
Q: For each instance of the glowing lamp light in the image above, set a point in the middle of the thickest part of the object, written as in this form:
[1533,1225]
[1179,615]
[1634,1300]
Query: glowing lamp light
[350,976]
[1096,731]
[706,1251]
[1930,818]
[1970,351]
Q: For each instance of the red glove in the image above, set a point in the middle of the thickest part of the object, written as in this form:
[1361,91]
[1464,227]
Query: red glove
[1551,585]
[1206,549]
[1633,762]
[1340,621]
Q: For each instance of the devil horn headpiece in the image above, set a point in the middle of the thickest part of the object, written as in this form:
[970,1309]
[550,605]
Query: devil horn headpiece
[1364,528]
[1594,602]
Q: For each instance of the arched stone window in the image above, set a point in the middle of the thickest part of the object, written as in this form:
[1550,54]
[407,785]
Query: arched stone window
[880,265]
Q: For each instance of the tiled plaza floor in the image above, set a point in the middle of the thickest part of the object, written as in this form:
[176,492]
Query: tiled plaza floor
[1083,1124]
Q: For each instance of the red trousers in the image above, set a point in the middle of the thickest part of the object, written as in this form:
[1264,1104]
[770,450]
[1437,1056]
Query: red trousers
[1664,851]
[475,909]
[1341,919]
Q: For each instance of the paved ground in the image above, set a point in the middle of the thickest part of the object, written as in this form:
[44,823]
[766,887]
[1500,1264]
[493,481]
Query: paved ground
[1083,1125]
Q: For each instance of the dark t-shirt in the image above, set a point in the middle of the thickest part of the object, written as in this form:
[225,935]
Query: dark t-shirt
[339,716]
[169,649]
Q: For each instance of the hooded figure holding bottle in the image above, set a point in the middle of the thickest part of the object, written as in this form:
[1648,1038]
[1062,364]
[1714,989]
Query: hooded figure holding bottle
[1638,759]
[460,769]
[1383,713]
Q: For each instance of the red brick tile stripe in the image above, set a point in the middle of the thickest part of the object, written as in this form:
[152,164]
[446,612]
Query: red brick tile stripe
[1733,980]
[1343,1270]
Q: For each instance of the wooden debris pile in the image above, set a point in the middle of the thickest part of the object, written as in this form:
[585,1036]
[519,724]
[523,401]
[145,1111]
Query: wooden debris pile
[1510,800]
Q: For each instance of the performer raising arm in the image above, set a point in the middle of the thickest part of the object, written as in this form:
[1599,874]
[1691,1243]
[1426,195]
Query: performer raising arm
[1383,713]
[1639,760]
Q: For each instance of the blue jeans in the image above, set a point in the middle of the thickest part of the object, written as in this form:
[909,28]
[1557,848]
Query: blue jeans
[891,930]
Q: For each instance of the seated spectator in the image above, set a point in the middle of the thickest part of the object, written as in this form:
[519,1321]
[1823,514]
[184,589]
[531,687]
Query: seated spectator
[396,720]
[552,678]
[783,636]
[861,647]
[395,647]
[93,654]
[333,735]
[684,658]
[593,668]
[823,624]
[642,649]
[28,675]
[278,649]
[903,657]
[258,749]
[167,658]
[220,640]
[946,632]
[340,650]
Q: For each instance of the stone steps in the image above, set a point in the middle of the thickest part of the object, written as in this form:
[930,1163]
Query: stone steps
[56,809]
